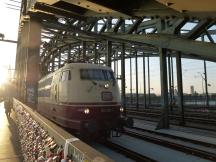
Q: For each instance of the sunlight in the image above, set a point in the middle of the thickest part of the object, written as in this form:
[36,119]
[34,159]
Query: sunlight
[2,113]
[3,76]
[9,29]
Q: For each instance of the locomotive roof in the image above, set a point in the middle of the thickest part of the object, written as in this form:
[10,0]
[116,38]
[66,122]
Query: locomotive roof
[75,65]
[84,65]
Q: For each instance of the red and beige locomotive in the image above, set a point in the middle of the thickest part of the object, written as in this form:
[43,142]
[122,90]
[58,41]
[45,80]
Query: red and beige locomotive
[80,96]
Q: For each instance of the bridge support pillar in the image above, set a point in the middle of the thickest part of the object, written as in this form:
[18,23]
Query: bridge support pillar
[84,45]
[180,87]
[30,44]
[109,53]
[123,97]
[164,121]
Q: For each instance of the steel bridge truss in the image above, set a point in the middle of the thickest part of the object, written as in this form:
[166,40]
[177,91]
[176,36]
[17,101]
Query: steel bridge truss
[51,35]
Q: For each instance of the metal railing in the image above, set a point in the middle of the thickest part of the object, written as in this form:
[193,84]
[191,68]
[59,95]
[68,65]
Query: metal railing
[78,150]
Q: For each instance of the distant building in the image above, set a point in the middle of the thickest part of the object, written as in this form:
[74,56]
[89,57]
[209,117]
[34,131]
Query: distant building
[192,90]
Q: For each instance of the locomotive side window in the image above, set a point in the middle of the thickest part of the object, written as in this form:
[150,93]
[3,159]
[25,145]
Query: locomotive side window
[46,82]
[44,87]
[66,75]
[44,93]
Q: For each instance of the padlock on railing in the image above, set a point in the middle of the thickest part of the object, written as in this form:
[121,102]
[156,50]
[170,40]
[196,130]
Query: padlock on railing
[36,144]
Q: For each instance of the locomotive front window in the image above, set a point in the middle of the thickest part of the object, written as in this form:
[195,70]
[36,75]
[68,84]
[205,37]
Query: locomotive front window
[96,74]
[109,75]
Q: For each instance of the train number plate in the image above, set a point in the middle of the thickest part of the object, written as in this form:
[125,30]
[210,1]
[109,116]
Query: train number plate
[107,96]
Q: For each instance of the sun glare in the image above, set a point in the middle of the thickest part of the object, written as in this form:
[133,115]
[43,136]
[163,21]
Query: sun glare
[10,30]
[3,76]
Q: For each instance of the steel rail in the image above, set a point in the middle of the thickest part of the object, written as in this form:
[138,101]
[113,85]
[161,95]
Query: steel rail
[175,146]
[176,137]
[210,127]
[129,153]
[188,117]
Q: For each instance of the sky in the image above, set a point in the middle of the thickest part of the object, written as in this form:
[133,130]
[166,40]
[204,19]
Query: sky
[192,75]
[9,27]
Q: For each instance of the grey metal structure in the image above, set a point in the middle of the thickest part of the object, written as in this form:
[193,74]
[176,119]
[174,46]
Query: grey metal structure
[54,32]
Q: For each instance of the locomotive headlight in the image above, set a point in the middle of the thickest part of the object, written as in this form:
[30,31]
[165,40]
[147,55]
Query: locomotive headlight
[121,109]
[106,86]
[86,111]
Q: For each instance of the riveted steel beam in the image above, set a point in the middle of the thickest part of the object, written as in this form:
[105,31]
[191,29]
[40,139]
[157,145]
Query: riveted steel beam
[203,49]
[97,7]
[198,29]
[6,40]
[190,47]
[209,36]
[117,25]
[176,26]
[134,26]
[58,11]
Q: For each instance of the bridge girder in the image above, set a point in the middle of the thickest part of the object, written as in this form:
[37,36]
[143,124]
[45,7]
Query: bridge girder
[101,31]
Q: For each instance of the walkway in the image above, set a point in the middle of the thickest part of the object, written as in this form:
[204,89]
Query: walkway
[10,150]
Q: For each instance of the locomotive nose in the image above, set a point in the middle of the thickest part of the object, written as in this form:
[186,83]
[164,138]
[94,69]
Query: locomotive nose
[90,126]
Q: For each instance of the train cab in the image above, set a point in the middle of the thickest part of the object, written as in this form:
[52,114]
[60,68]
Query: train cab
[80,96]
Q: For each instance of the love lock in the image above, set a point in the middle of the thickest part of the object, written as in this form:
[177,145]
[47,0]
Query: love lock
[41,159]
[47,150]
[44,135]
[48,140]
[53,148]
[60,153]
[56,158]
[36,144]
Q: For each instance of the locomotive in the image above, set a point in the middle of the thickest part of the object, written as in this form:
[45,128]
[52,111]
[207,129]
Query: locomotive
[83,97]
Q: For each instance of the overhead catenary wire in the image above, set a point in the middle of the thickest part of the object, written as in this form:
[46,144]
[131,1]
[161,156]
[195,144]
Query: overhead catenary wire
[11,5]
[15,1]
[13,8]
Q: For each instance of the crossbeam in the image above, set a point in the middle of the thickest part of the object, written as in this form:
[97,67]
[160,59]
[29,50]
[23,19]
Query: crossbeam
[190,47]
[6,40]
[186,46]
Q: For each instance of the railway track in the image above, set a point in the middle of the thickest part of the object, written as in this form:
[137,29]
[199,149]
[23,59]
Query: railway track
[202,111]
[194,121]
[202,143]
[173,145]
[129,153]
[188,113]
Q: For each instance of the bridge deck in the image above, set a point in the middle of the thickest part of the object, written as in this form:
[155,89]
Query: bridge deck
[10,150]
[196,134]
